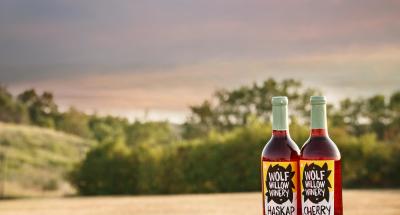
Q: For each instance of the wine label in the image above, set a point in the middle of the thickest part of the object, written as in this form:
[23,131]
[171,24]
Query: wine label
[279,187]
[317,187]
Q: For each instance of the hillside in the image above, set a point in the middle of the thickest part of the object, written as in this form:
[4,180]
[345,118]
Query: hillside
[34,160]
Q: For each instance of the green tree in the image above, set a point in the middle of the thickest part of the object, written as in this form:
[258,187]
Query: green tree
[377,113]
[11,110]
[233,108]
[392,131]
[394,103]
[110,168]
[42,108]
[108,129]
[349,116]
[74,122]
[151,133]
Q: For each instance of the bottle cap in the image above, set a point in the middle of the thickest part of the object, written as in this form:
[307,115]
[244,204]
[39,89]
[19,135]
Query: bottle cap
[318,100]
[279,100]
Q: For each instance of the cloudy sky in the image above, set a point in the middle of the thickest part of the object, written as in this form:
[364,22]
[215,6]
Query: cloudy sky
[126,57]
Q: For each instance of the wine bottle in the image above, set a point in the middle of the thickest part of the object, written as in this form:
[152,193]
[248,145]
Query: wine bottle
[320,167]
[279,165]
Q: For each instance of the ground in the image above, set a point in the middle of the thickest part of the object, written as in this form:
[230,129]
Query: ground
[356,202]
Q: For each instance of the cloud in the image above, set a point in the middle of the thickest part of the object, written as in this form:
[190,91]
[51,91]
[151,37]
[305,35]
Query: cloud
[166,55]
[347,73]
[48,38]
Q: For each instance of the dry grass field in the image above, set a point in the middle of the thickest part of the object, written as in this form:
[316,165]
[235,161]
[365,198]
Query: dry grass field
[356,202]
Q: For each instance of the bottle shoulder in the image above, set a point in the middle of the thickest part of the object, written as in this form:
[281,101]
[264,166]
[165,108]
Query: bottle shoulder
[281,149]
[320,148]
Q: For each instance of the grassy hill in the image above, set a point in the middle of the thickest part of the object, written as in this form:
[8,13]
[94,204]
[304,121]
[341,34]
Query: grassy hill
[34,160]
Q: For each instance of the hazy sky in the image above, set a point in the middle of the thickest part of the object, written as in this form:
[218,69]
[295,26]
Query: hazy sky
[125,57]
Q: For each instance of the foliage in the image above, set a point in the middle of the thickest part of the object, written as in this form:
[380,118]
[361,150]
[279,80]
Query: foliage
[36,159]
[151,133]
[231,109]
[74,122]
[108,129]
[11,110]
[41,108]
[229,162]
[216,150]
[108,169]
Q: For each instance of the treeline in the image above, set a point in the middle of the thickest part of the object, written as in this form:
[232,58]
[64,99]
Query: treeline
[222,140]
[32,108]
[230,109]
[227,162]
[217,149]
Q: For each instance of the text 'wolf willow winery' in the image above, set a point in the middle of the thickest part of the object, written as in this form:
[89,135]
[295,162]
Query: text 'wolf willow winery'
[279,166]
[320,167]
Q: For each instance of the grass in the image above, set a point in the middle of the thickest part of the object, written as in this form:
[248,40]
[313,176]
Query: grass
[35,160]
[356,202]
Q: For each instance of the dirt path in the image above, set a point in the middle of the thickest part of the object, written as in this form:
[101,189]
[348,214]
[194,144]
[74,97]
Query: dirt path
[357,202]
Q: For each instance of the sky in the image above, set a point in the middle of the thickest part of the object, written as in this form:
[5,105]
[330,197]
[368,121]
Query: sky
[153,59]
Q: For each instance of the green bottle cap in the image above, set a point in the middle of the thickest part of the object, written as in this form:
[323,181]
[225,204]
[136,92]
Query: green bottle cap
[279,113]
[318,112]
[318,100]
[279,100]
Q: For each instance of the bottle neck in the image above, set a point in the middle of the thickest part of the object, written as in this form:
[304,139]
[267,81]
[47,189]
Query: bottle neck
[319,132]
[280,118]
[280,133]
[318,120]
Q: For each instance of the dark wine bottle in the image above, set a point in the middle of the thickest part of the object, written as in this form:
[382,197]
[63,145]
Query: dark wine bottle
[279,165]
[320,167]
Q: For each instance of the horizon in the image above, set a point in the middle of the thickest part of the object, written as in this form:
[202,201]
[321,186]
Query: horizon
[158,58]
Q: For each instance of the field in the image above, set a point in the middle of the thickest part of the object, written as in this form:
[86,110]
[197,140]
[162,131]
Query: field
[356,202]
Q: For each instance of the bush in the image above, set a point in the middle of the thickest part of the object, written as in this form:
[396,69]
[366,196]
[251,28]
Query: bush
[225,162]
[107,169]
[51,185]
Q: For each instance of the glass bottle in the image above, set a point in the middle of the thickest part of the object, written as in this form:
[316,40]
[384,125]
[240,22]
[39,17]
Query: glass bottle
[279,165]
[320,167]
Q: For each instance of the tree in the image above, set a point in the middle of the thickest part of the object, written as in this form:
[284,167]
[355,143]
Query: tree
[377,114]
[6,105]
[110,168]
[392,132]
[11,110]
[394,103]
[108,129]
[74,122]
[349,115]
[150,133]
[232,108]
[42,109]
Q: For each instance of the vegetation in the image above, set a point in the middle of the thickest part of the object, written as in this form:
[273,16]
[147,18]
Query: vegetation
[36,160]
[218,148]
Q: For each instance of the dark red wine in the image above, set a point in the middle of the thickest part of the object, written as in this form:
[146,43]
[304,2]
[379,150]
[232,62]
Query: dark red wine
[320,167]
[279,166]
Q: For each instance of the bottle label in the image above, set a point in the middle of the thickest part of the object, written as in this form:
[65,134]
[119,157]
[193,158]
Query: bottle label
[279,187]
[317,187]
